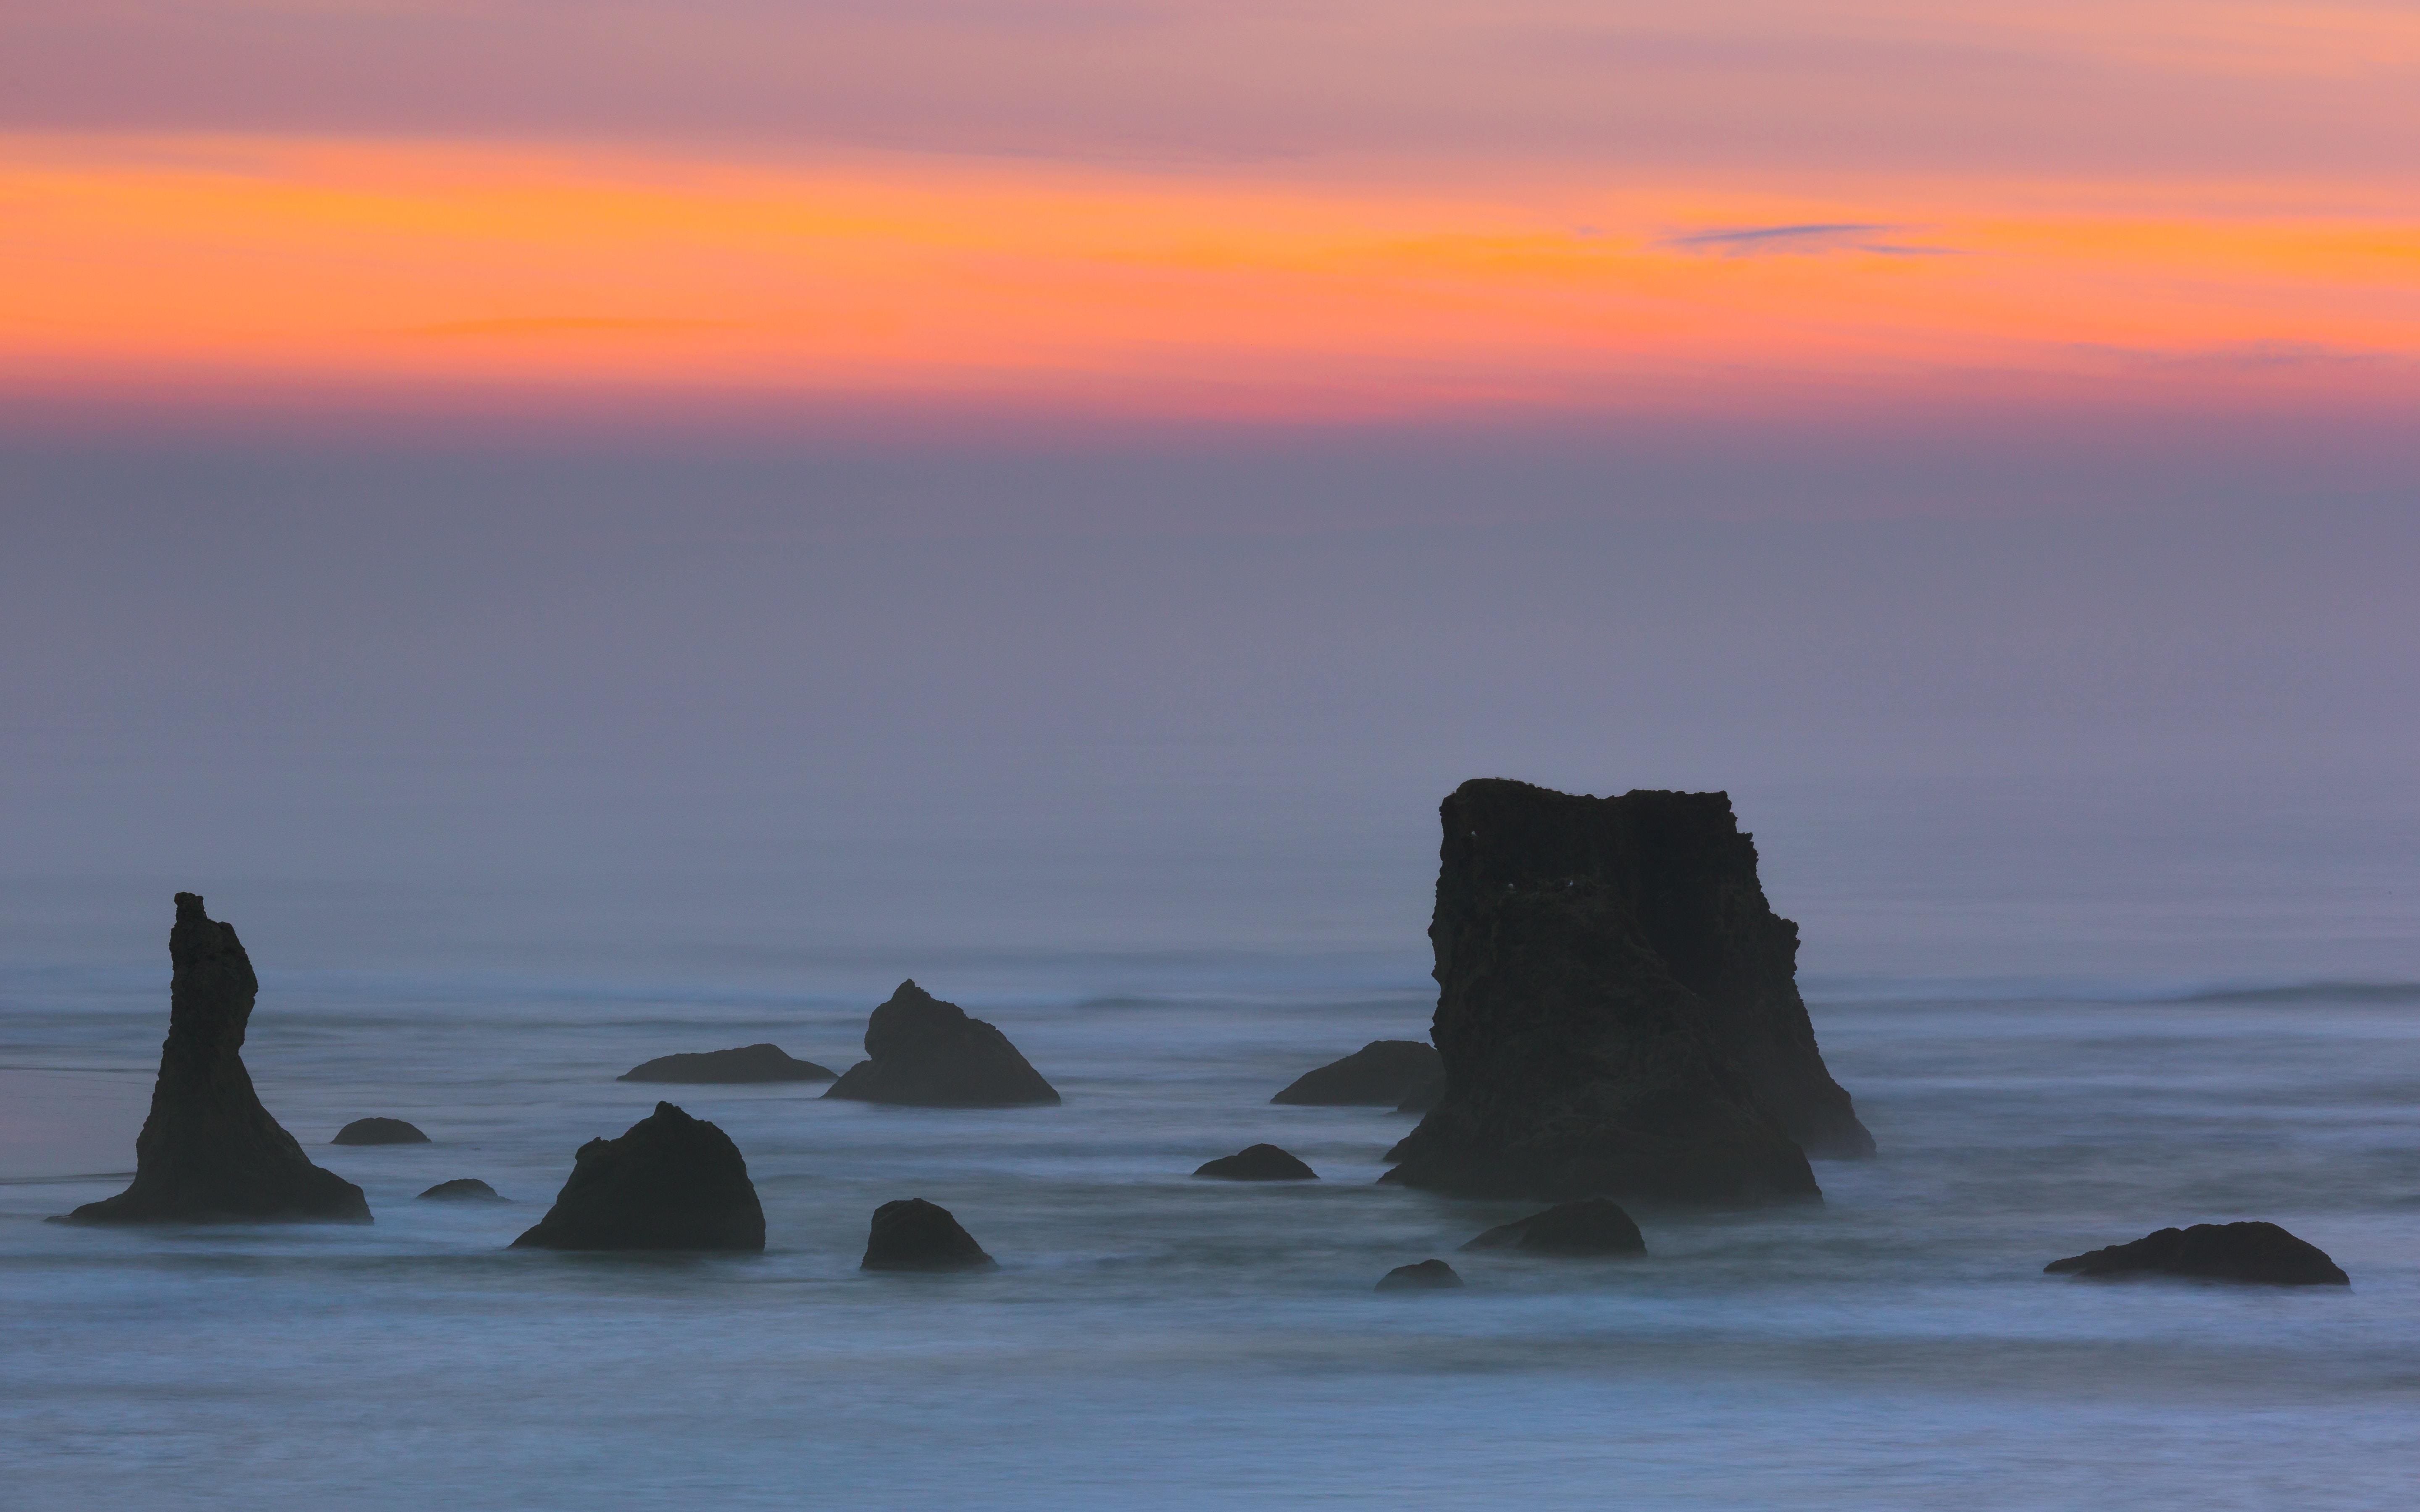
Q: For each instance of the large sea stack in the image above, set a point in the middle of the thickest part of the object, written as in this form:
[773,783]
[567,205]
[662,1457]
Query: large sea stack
[1617,1009]
[209,1152]
[928,1053]
[671,1182]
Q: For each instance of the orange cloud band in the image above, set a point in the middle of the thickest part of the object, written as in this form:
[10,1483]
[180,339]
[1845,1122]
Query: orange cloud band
[188,260]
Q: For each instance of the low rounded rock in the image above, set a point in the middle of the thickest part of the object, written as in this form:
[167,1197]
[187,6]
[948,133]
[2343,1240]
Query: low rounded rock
[1258,1162]
[1592,1228]
[915,1235]
[1427,1276]
[467,1189]
[378,1131]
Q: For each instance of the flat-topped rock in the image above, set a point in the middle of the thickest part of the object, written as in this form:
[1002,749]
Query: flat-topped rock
[1616,1008]
[1258,1162]
[917,1235]
[1594,1226]
[749,1063]
[378,1131]
[928,1053]
[466,1189]
[209,1152]
[670,1183]
[1427,1276]
[1379,1074]
[2258,1254]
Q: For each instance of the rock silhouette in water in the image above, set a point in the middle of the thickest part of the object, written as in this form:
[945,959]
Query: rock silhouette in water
[1428,1275]
[1427,1095]
[1617,1008]
[1596,1225]
[209,1152]
[917,1235]
[2261,1254]
[670,1183]
[1258,1162]
[928,1053]
[749,1063]
[378,1131]
[467,1189]
[1379,1074]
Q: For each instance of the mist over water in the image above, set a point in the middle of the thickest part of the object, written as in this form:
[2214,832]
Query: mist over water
[2105,853]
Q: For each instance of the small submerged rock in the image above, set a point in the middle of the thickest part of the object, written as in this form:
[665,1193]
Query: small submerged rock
[928,1053]
[1381,1073]
[1259,1163]
[749,1063]
[2259,1254]
[1595,1227]
[916,1235]
[467,1189]
[671,1182]
[1428,1275]
[378,1131]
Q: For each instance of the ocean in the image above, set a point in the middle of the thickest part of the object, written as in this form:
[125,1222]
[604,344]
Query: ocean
[2066,1024]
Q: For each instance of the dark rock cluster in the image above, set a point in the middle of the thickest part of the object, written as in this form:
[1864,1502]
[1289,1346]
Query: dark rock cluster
[209,1152]
[2257,1252]
[926,1052]
[670,1183]
[746,1064]
[1618,1011]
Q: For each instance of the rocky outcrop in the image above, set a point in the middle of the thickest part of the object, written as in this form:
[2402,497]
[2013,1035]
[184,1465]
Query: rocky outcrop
[749,1063]
[928,1053]
[1258,1162]
[209,1152]
[2256,1253]
[378,1131]
[1424,1097]
[1379,1074]
[1428,1275]
[1594,1227]
[1616,1008]
[671,1182]
[467,1189]
[917,1235]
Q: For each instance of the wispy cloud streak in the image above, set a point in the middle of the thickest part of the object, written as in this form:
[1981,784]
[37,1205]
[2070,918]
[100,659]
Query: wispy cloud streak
[1802,240]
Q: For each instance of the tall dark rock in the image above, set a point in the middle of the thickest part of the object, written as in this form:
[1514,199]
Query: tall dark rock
[209,1152]
[1616,1008]
[926,1052]
[671,1182]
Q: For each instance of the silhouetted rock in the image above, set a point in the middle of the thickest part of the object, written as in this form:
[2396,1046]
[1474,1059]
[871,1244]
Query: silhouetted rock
[917,1235]
[1428,1275]
[1379,1074]
[1596,1225]
[468,1189]
[1616,1008]
[209,1152]
[378,1131]
[1258,1162]
[2262,1254]
[1427,1095]
[928,1053]
[749,1063]
[671,1182]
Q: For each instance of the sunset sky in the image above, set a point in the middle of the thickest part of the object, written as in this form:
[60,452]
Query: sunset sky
[1106,210]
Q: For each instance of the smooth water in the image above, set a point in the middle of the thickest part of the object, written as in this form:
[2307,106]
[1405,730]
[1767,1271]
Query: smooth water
[1152,1341]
